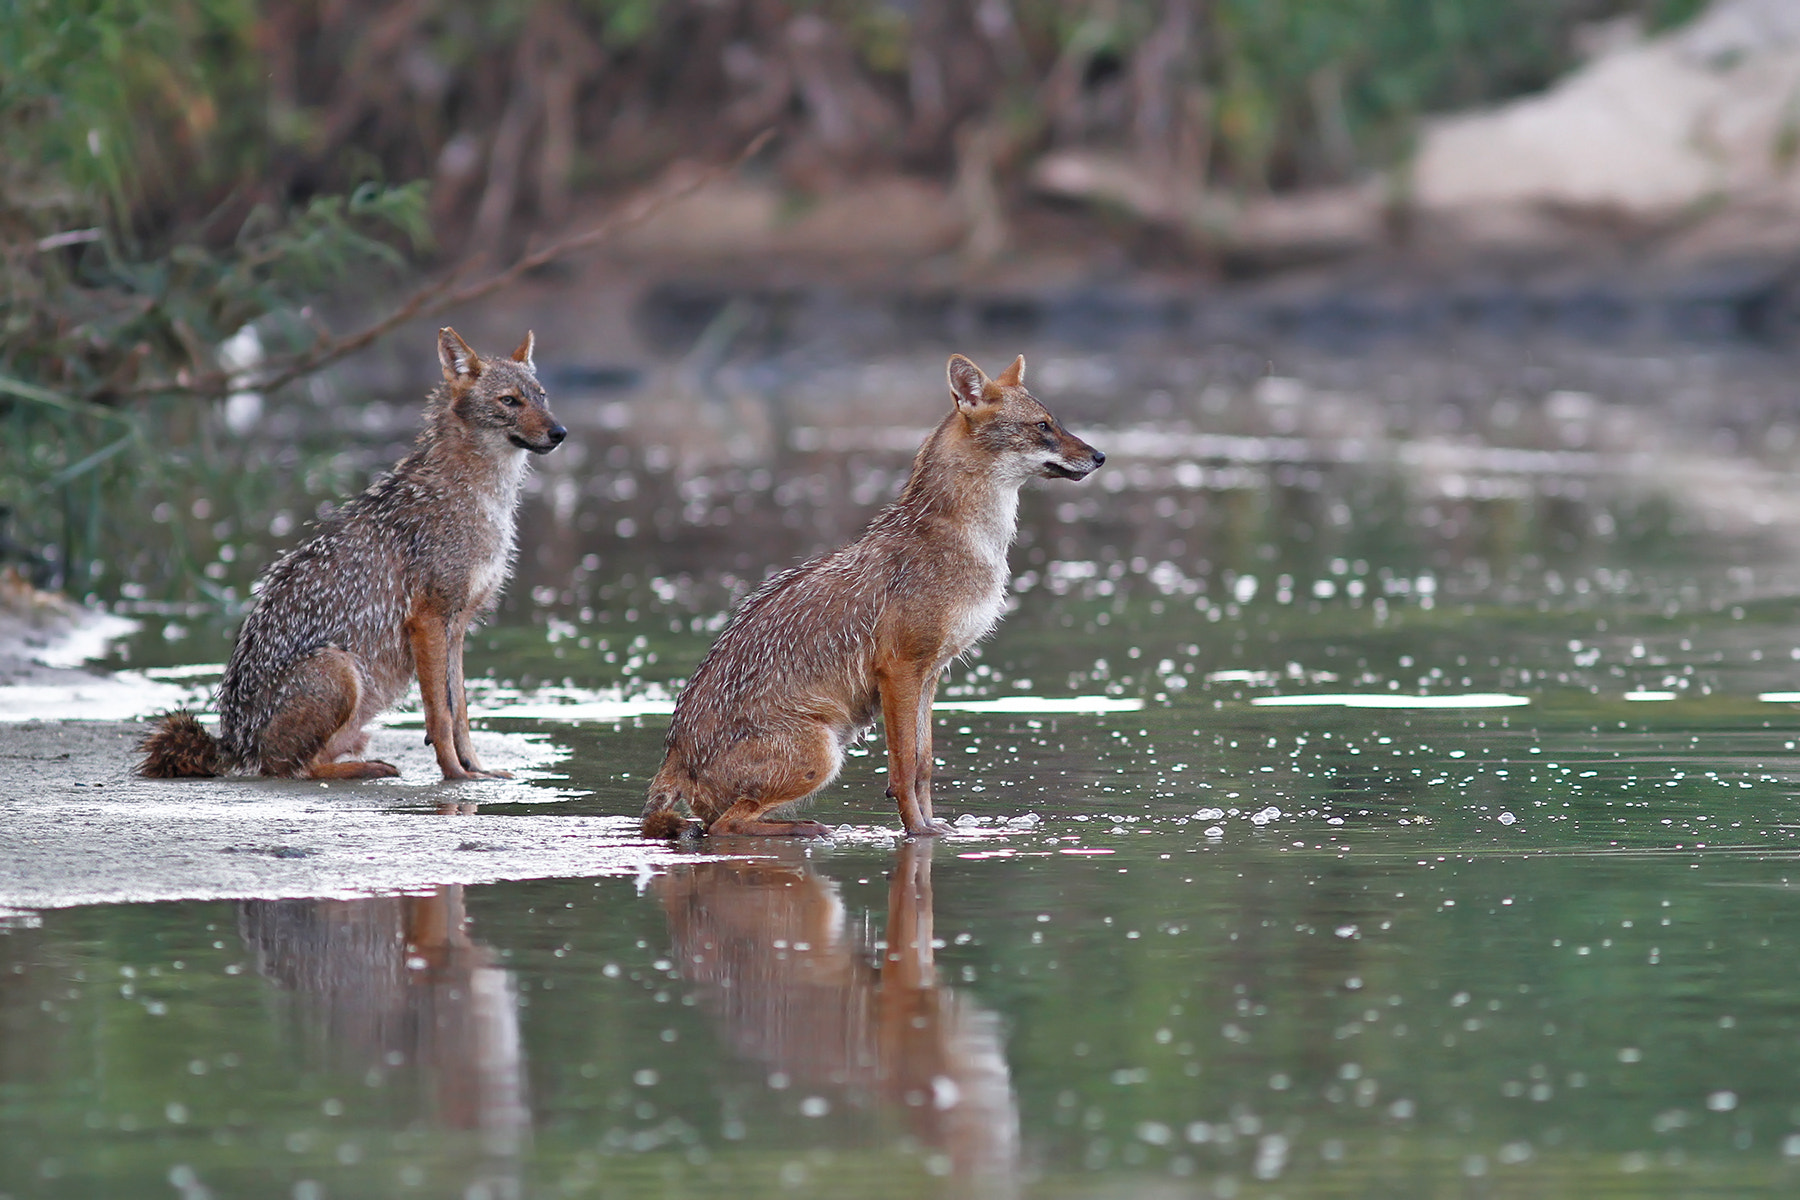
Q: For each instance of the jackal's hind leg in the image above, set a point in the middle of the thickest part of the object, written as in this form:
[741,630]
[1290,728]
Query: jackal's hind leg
[317,722]
[742,820]
[774,770]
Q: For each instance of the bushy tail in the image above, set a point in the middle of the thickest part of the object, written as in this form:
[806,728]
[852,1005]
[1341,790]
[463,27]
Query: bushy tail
[179,747]
[661,820]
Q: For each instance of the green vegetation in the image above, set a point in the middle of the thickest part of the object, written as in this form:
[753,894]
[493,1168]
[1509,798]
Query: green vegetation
[141,229]
[172,171]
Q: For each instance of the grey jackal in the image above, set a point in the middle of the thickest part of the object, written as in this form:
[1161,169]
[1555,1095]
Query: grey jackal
[385,590]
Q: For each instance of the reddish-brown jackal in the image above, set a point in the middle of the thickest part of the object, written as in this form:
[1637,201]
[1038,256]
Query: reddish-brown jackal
[800,670]
[385,590]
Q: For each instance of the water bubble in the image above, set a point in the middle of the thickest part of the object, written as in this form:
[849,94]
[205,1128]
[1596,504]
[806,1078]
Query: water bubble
[1155,1133]
[1722,1101]
[1271,1156]
[945,1094]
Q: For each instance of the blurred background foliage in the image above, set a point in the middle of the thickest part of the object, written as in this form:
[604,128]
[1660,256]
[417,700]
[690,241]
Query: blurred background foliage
[172,171]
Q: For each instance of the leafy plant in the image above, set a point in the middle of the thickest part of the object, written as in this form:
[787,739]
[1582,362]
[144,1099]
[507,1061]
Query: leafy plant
[136,236]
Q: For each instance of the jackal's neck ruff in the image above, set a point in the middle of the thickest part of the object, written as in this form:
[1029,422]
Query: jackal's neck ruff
[955,498]
[470,459]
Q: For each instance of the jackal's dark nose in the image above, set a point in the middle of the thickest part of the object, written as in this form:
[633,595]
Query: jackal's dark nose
[556,434]
[1099,457]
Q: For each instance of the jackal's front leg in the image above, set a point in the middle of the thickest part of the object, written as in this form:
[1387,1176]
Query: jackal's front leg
[429,634]
[903,694]
[927,762]
[457,697]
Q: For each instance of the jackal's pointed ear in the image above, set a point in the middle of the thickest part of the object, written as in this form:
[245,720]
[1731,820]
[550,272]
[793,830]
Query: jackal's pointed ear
[1013,376]
[967,383]
[456,357]
[523,353]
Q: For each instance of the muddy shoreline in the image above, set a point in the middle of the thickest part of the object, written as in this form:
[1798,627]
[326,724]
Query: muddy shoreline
[78,827]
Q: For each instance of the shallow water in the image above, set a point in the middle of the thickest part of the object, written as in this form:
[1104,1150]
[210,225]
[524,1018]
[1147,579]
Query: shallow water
[1491,900]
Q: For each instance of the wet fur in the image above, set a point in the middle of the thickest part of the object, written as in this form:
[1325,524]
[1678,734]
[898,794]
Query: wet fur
[810,659]
[385,590]
[178,747]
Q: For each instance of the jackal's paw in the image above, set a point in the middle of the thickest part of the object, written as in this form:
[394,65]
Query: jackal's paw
[928,829]
[372,768]
[755,828]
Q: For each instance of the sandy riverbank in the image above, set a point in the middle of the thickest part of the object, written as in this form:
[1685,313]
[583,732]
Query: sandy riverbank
[77,826]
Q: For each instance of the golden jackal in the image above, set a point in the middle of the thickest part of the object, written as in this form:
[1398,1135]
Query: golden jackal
[387,589]
[798,673]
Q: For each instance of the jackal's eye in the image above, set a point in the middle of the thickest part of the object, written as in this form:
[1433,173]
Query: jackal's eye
[1044,426]
[511,401]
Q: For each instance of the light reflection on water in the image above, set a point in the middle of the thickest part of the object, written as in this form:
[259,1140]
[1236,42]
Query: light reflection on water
[1349,805]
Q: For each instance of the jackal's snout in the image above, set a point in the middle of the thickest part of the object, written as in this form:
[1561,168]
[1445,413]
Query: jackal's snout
[1075,459]
[547,436]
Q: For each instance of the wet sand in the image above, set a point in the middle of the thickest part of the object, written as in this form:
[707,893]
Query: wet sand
[78,827]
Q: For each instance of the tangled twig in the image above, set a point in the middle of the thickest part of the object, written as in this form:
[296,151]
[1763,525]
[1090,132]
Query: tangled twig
[444,293]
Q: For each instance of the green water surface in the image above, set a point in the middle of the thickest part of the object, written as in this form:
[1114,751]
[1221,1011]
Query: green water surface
[1541,945]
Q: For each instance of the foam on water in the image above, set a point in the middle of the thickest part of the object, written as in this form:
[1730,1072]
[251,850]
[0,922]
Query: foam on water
[1044,704]
[123,696]
[1389,700]
[576,705]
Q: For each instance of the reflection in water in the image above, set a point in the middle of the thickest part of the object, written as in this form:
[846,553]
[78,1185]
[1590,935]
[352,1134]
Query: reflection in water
[394,987]
[770,946]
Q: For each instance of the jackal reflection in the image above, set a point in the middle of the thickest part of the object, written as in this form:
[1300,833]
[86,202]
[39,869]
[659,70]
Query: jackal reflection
[395,989]
[769,944]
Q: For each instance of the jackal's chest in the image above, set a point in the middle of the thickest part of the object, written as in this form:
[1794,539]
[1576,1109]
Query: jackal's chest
[490,576]
[493,537]
[976,611]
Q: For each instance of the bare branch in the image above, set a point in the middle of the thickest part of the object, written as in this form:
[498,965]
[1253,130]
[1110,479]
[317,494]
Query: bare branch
[444,293]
